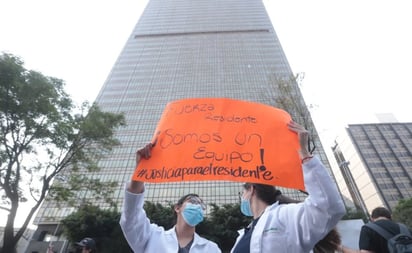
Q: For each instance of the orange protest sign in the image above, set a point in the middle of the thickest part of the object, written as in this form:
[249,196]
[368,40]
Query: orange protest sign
[223,139]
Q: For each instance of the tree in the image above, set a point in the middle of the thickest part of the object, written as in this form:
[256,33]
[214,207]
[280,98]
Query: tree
[289,98]
[403,212]
[161,215]
[101,225]
[42,134]
[355,214]
[220,226]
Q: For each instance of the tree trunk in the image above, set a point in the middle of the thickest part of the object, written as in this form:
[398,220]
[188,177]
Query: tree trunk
[8,249]
[9,242]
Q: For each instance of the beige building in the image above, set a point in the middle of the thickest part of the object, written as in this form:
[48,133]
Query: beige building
[375,164]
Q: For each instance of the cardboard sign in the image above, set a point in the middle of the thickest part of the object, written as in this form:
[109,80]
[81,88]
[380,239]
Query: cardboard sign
[223,139]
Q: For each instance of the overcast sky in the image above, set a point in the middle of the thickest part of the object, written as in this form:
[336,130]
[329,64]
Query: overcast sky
[356,54]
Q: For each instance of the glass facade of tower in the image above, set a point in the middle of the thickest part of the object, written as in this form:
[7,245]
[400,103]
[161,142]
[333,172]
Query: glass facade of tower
[187,49]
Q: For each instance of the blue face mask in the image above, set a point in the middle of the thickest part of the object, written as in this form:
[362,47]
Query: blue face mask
[192,214]
[245,207]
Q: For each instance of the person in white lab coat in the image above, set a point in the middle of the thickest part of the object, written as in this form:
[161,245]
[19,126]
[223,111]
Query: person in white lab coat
[295,227]
[144,237]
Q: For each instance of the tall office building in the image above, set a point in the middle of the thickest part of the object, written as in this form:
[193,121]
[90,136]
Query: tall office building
[188,49]
[376,163]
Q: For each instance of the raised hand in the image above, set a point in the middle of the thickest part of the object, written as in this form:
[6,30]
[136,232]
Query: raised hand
[145,152]
[303,135]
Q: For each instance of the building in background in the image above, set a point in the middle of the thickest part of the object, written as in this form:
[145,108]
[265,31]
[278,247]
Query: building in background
[187,49]
[375,161]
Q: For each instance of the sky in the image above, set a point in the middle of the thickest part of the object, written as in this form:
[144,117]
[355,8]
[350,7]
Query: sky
[355,54]
[356,57]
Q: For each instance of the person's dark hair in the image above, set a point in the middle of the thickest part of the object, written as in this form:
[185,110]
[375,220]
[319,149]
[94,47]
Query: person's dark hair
[381,212]
[267,193]
[330,243]
[181,201]
[184,198]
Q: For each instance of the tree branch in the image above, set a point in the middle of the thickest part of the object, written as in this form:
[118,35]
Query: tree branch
[5,208]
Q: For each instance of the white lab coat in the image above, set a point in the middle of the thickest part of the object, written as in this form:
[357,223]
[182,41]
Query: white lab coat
[296,228]
[144,237]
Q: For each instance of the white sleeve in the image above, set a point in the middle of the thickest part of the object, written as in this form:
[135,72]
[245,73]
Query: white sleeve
[135,225]
[321,210]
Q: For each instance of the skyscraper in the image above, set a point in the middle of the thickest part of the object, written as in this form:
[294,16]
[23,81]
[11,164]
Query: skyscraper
[376,163]
[187,49]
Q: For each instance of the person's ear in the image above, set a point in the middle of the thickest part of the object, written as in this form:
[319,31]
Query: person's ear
[177,208]
[252,191]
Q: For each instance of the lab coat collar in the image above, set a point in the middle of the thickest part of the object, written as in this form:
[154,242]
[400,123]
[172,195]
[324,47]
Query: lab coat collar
[197,239]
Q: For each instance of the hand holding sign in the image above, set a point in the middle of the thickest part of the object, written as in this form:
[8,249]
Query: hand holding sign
[223,139]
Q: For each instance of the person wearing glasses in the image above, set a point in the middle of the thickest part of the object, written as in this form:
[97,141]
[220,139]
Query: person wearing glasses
[145,237]
[279,225]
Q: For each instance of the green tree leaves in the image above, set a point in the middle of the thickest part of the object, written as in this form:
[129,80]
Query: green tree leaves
[220,225]
[403,212]
[161,215]
[102,225]
[42,134]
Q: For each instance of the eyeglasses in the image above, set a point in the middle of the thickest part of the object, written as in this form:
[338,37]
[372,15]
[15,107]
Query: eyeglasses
[246,187]
[196,201]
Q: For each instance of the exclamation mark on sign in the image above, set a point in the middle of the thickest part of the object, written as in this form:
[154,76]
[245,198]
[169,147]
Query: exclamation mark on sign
[262,167]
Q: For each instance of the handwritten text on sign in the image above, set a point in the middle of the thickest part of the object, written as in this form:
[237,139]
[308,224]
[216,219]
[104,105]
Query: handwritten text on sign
[223,139]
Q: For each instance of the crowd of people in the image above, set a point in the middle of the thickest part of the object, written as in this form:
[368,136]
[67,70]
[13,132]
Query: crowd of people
[279,223]
[292,227]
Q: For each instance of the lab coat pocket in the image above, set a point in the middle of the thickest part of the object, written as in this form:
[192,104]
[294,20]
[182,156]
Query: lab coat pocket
[274,238]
